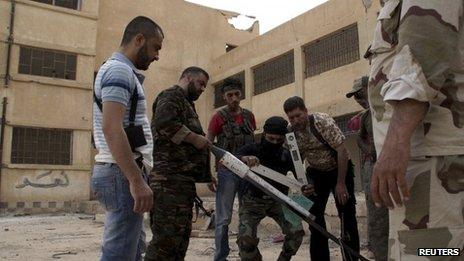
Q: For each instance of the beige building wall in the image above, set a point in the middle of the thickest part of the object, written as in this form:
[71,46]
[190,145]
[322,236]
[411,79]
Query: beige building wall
[47,102]
[324,92]
[194,36]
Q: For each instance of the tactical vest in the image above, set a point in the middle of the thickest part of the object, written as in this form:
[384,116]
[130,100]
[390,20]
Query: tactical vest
[234,135]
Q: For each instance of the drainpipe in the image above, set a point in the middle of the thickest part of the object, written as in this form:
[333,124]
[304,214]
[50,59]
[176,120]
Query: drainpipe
[10,43]
[2,134]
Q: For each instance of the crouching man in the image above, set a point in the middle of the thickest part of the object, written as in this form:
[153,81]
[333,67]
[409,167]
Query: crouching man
[256,205]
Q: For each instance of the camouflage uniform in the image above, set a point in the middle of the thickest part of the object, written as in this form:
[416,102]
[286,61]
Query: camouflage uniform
[256,205]
[377,218]
[417,53]
[318,150]
[177,166]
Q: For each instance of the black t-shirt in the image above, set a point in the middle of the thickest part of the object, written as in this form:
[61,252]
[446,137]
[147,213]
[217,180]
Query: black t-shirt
[280,161]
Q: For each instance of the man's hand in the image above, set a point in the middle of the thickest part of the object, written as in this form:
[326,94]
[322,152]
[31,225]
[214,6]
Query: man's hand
[142,194]
[389,175]
[308,190]
[341,193]
[212,186]
[388,178]
[200,142]
[251,161]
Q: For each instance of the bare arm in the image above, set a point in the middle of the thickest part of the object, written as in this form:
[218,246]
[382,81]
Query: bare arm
[342,159]
[390,169]
[113,116]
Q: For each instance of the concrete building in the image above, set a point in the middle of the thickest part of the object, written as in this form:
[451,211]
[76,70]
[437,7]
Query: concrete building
[316,55]
[50,50]
[48,53]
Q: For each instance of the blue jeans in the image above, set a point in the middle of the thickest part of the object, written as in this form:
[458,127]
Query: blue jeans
[123,238]
[229,184]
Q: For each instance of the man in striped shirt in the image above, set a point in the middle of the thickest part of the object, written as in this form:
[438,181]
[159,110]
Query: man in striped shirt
[119,179]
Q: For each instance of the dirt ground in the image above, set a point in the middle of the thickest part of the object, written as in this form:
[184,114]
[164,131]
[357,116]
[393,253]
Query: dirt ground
[78,237]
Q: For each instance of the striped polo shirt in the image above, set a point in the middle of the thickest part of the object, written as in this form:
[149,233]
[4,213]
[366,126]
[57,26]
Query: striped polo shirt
[115,82]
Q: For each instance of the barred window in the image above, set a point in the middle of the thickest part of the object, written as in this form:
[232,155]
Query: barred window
[71,4]
[41,146]
[218,100]
[332,51]
[274,73]
[342,123]
[48,63]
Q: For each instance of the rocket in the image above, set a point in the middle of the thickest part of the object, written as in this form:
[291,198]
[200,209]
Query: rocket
[242,170]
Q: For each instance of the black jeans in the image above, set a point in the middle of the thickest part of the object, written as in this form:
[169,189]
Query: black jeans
[324,183]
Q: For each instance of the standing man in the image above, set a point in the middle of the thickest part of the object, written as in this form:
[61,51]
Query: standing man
[377,218]
[256,205]
[118,179]
[233,126]
[415,93]
[181,159]
[321,144]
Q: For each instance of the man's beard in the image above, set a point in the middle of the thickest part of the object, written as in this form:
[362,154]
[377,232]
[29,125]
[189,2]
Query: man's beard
[192,93]
[143,61]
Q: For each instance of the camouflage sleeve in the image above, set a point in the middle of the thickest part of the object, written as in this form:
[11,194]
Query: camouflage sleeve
[166,119]
[428,37]
[329,130]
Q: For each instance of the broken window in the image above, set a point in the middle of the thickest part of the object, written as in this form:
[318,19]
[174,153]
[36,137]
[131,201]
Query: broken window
[218,100]
[274,73]
[332,51]
[48,63]
[71,4]
[41,146]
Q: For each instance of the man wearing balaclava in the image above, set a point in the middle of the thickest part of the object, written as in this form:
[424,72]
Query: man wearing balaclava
[255,204]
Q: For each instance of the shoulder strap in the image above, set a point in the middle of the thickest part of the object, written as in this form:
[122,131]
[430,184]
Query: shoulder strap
[225,115]
[317,134]
[133,106]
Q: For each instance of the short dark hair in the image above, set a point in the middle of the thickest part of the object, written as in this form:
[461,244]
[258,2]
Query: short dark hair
[294,102]
[194,70]
[231,84]
[141,25]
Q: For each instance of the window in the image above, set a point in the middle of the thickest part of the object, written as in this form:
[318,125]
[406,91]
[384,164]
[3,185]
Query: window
[218,100]
[342,123]
[274,74]
[332,51]
[71,4]
[48,63]
[41,146]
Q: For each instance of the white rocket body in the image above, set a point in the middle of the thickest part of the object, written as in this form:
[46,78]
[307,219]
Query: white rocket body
[241,169]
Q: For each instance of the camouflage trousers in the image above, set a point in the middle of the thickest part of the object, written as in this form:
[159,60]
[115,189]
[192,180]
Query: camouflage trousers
[171,220]
[251,212]
[377,218]
[433,217]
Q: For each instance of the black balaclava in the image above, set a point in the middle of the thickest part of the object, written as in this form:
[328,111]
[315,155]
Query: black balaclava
[274,125]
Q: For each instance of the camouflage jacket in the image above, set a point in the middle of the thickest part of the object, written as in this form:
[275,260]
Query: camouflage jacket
[316,154]
[174,117]
[417,53]
[365,138]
